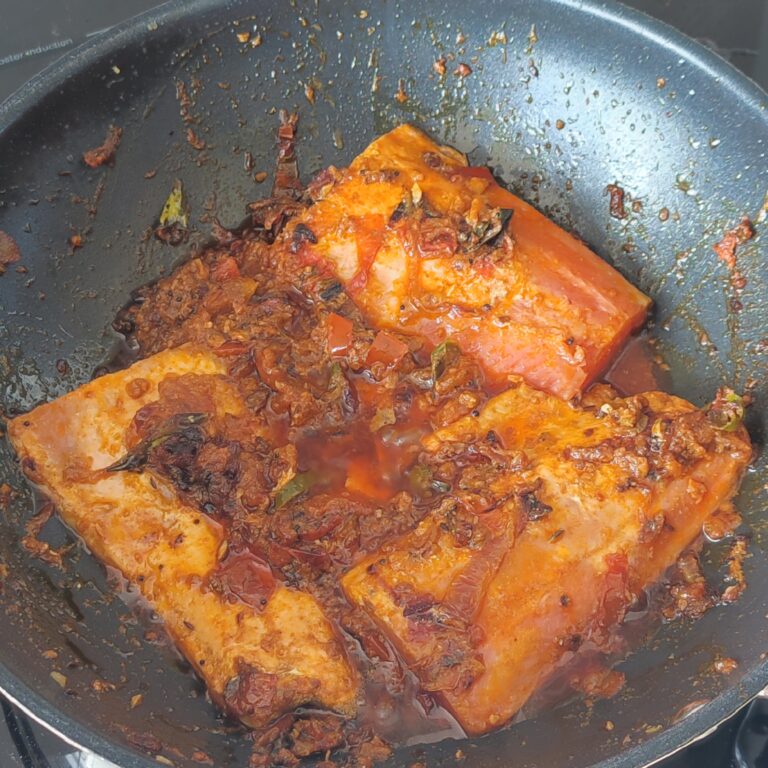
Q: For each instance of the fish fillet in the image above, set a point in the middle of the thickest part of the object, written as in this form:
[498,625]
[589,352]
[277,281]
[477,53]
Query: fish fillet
[264,662]
[609,492]
[413,233]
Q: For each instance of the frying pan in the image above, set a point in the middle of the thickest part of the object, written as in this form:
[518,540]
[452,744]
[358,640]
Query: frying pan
[565,97]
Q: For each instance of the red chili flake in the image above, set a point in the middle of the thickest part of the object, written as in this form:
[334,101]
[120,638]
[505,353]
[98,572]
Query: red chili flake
[9,251]
[738,280]
[224,236]
[231,348]
[194,140]
[287,129]
[171,234]
[31,541]
[6,494]
[75,241]
[463,70]
[616,204]
[724,665]
[62,366]
[439,66]
[106,152]
[726,248]
[185,102]
[736,559]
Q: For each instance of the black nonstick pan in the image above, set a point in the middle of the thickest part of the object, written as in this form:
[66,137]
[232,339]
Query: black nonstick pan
[565,97]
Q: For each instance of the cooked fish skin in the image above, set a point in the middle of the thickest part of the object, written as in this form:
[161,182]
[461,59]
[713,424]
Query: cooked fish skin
[624,485]
[256,664]
[404,227]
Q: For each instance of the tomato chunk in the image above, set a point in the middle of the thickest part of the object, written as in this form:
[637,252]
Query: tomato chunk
[386,349]
[226,269]
[339,334]
[231,348]
[247,577]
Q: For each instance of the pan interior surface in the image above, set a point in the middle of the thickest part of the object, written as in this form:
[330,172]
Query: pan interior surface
[563,99]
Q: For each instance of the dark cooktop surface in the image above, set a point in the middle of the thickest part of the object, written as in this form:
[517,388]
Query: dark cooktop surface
[35,33]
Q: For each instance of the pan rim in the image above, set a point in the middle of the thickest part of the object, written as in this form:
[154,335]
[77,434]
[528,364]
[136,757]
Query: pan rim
[613,11]
[669,741]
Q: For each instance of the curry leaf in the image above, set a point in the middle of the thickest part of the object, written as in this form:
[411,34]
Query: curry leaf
[137,457]
[297,485]
[727,411]
[175,209]
[443,356]
[383,417]
[423,481]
